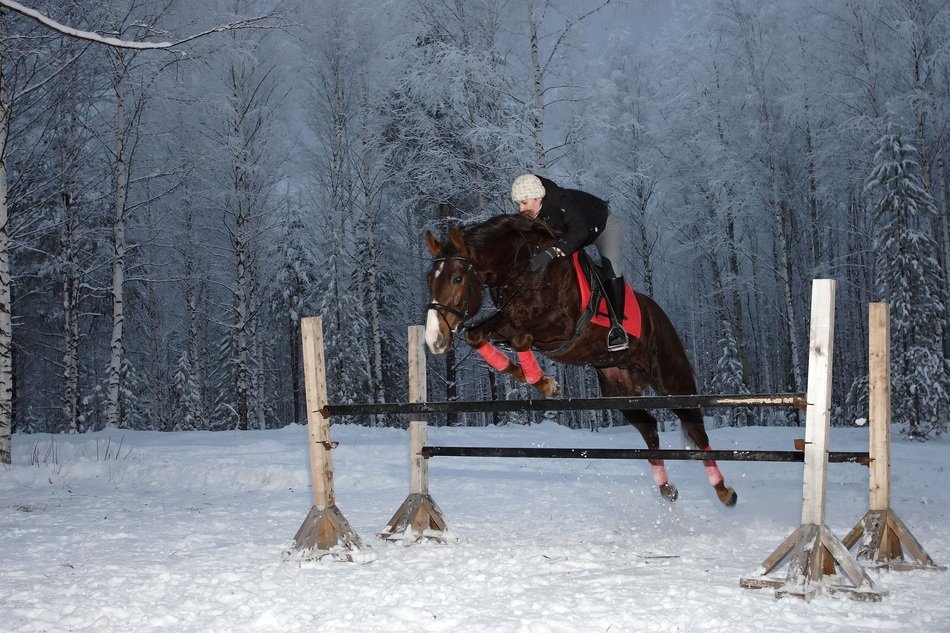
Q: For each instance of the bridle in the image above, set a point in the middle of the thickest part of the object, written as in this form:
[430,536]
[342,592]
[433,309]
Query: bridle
[465,317]
[462,312]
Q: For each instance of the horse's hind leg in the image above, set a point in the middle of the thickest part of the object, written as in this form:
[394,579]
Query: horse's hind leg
[692,421]
[646,424]
[618,382]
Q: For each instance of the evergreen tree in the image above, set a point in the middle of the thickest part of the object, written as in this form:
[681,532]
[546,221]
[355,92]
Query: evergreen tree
[186,392]
[728,378]
[133,412]
[911,280]
[292,293]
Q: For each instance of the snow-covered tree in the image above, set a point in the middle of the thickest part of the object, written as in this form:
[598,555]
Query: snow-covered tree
[910,279]
[728,379]
[186,394]
[293,293]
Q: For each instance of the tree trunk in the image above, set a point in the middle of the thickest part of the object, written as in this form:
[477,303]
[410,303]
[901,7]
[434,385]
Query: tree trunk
[196,355]
[943,212]
[783,274]
[819,268]
[293,326]
[71,285]
[6,331]
[537,74]
[372,288]
[120,183]
[241,309]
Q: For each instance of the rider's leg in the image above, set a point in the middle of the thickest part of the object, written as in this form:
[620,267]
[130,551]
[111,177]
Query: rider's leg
[616,292]
[610,247]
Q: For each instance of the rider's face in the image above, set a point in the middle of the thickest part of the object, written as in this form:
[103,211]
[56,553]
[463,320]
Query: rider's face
[530,207]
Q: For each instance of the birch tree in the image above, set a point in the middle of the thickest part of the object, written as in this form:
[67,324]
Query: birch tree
[545,54]
[29,64]
[6,329]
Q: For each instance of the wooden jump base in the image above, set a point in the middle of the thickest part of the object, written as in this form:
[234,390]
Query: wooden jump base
[880,535]
[811,550]
[325,531]
[419,516]
[814,551]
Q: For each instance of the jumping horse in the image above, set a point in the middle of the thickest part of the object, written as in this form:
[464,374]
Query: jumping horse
[542,312]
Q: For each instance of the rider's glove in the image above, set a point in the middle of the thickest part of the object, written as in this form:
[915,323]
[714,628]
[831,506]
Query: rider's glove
[540,261]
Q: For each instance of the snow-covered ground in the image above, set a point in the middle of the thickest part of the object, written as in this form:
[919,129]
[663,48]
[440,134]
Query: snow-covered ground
[136,531]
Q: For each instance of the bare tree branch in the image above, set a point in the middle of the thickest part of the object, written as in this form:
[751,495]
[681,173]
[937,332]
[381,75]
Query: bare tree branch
[255,22]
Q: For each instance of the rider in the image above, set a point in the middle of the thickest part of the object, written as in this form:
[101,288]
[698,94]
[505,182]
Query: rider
[581,219]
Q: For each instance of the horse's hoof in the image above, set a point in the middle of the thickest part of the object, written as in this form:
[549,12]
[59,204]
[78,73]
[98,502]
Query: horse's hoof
[669,492]
[547,386]
[728,496]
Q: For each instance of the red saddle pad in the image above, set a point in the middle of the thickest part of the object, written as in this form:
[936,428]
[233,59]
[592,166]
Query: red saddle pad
[631,318]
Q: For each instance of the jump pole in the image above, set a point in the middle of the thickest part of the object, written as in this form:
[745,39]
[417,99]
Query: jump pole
[881,536]
[325,531]
[812,550]
[419,516]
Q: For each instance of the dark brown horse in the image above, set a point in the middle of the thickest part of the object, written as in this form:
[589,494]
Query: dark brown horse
[541,312]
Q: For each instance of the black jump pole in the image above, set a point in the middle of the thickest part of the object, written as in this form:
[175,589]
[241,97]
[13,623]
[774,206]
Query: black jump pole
[796,400]
[638,453]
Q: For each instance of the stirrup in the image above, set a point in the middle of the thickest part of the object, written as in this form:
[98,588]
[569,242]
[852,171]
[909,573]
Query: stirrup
[617,339]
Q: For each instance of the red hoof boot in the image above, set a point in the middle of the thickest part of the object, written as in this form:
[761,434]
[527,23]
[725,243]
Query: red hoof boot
[728,496]
[669,492]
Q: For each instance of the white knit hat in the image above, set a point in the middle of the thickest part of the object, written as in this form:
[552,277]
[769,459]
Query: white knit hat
[526,187]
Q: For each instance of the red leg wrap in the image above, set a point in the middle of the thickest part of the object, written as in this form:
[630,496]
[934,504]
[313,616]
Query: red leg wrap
[712,471]
[530,367]
[659,471]
[493,356]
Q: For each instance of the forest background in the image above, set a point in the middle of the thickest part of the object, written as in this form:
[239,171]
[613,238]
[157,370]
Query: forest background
[170,216]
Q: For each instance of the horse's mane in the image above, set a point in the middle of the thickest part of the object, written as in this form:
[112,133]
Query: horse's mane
[499,228]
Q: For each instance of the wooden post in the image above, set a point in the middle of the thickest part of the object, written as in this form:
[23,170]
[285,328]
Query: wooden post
[325,531]
[419,517]
[812,550]
[882,535]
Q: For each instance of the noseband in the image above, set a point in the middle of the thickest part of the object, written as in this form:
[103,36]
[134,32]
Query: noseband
[462,312]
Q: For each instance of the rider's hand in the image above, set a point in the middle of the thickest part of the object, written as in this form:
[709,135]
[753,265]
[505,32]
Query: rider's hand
[540,261]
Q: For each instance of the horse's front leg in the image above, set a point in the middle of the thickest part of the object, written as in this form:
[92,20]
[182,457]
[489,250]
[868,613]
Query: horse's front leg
[534,376]
[526,370]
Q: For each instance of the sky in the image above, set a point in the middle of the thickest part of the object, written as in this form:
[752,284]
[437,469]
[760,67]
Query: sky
[138,531]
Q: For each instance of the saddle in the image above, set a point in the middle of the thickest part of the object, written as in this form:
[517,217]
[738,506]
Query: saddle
[593,303]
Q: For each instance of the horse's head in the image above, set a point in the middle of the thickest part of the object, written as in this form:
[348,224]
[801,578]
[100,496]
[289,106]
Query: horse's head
[493,253]
[454,288]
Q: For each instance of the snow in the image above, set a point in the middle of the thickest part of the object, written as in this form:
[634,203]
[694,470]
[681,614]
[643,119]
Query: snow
[143,531]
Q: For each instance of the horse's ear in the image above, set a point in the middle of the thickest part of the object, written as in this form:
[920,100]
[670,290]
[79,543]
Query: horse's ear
[434,246]
[457,239]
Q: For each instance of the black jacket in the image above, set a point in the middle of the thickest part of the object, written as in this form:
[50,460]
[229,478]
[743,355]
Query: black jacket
[577,216]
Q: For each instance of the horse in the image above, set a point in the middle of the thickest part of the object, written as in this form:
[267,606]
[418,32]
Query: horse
[542,312]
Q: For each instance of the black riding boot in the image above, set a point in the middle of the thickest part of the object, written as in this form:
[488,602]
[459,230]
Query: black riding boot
[616,294]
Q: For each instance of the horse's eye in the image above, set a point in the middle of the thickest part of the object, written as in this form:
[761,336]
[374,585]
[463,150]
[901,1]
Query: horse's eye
[457,279]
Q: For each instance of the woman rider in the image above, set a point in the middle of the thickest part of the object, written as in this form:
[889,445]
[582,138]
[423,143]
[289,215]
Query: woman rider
[580,219]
